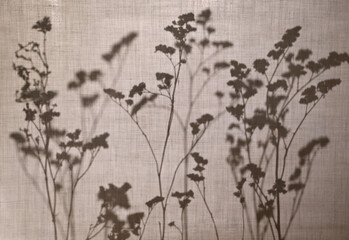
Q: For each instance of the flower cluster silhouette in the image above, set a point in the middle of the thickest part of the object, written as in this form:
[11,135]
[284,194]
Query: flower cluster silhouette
[64,157]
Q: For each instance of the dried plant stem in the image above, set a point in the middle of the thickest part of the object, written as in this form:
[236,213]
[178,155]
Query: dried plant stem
[278,207]
[145,224]
[296,202]
[208,209]
[105,101]
[243,222]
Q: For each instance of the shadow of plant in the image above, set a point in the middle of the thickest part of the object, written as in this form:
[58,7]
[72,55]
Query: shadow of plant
[65,156]
[141,96]
[265,128]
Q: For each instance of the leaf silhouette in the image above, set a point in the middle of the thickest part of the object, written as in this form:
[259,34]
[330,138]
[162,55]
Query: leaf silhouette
[18,137]
[281,83]
[296,174]
[236,111]
[114,94]
[204,119]
[256,172]
[303,54]
[261,65]
[219,94]
[289,38]
[99,141]
[195,128]
[29,113]
[171,224]
[152,202]
[95,75]
[129,102]
[230,138]
[139,105]
[118,46]
[233,125]
[308,95]
[273,102]
[294,71]
[134,221]
[165,49]
[88,101]
[165,78]
[48,116]
[74,135]
[221,65]
[327,85]
[314,67]
[222,44]
[306,150]
[258,120]
[195,177]
[204,17]
[295,186]
[114,196]
[137,89]
[180,195]
[44,25]
[278,187]
[199,159]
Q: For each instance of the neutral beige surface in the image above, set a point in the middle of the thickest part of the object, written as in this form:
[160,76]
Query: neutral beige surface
[83,30]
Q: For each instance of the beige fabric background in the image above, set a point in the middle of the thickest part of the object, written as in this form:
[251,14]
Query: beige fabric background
[83,30]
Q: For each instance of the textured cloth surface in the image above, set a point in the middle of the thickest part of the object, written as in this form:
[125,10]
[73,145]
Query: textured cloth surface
[83,30]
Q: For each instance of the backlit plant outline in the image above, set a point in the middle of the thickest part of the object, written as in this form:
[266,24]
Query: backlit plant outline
[40,113]
[167,89]
[297,82]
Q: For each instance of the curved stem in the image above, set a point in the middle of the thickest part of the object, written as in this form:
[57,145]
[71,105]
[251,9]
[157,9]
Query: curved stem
[307,112]
[105,100]
[297,205]
[145,224]
[209,210]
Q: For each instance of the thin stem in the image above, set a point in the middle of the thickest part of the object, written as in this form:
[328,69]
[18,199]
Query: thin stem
[157,94]
[209,210]
[180,163]
[199,92]
[72,191]
[245,208]
[96,233]
[92,159]
[307,112]
[312,78]
[278,64]
[47,164]
[143,133]
[179,118]
[294,212]
[185,129]
[145,224]
[245,128]
[169,124]
[243,222]
[271,226]
[105,100]
[278,207]
[182,223]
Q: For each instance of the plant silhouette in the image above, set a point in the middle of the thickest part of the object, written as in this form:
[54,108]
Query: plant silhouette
[63,158]
[115,199]
[93,104]
[264,128]
[178,56]
[260,139]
